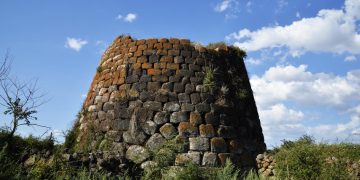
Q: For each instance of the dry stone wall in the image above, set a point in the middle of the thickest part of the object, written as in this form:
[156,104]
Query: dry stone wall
[148,91]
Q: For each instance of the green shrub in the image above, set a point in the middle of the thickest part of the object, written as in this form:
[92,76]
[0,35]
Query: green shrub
[189,172]
[216,45]
[209,78]
[304,159]
[228,172]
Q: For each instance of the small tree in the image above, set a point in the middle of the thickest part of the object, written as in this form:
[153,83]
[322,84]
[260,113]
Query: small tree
[19,99]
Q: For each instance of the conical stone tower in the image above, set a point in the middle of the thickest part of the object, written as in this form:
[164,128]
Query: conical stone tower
[148,91]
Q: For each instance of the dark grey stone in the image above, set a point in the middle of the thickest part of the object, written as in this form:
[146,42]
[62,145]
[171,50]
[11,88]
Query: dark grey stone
[211,118]
[153,105]
[226,131]
[132,79]
[189,88]
[161,117]
[153,86]
[177,117]
[145,78]
[202,107]
[147,96]
[179,59]
[193,67]
[171,106]
[149,127]
[153,58]
[195,98]
[187,107]
[196,80]
[183,98]
[178,87]
[108,106]
[168,86]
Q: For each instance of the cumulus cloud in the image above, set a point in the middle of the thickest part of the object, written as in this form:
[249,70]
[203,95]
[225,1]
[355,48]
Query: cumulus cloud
[128,18]
[75,44]
[331,30]
[282,83]
[280,86]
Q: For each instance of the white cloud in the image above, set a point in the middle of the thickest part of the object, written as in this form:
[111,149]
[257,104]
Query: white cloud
[280,86]
[350,58]
[332,30]
[128,18]
[220,7]
[75,44]
[279,113]
[230,8]
[282,83]
[253,61]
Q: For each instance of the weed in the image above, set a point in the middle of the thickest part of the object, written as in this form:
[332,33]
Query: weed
[209,78]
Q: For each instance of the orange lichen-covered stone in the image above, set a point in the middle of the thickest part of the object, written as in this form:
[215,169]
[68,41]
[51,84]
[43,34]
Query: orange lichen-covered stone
[195,118]
[172,66]
[146,65]
[206,130]
[159,65]
[187,130]
[166,59]
[152,72]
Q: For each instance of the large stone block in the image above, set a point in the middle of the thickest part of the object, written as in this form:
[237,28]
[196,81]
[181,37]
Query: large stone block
[149,127]
[187,130]
[161,117]
[171,106]
[137,154]
[206,130]
[168,131]
[218,145]
[183,98]
[190,157]
[153,105]
[199,144]
[195,118]
[210,159]
[155,141]
[177,117]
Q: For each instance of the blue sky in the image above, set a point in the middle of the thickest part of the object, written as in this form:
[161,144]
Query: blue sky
[303,55]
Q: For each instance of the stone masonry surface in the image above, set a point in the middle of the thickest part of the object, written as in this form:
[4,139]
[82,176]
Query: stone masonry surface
[151,90]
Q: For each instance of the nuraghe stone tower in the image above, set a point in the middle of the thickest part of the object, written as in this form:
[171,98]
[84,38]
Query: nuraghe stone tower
[148,91]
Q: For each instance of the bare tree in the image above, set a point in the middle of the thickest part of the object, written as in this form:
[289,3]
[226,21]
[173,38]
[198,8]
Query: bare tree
[20,99]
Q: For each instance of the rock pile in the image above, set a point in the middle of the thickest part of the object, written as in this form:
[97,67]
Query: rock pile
[266,164]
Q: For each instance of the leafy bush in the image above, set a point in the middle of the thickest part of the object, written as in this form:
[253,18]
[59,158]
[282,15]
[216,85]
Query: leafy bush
[304,159]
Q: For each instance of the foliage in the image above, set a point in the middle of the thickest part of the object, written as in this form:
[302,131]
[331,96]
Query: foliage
[216,45]
[209,78]
[228,172]
[242,93]
[189,172]
[99,69]
[304,159]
